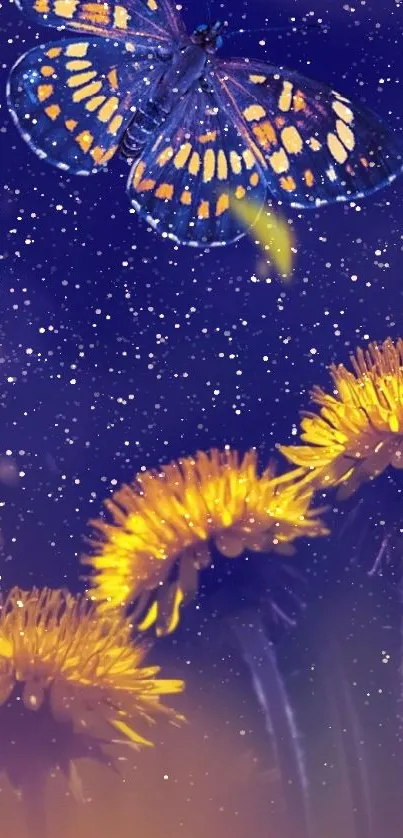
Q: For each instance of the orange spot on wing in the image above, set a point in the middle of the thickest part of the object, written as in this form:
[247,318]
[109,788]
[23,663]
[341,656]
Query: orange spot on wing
[138,173]
[314,144]
[364,162]
[288,183]
[308,177]
[41,6]
[95,12]
[210,136]
[87,91]
[113,79]
[146,185]
[100,156]
[47,71]
[165,155]
[94,103]
[298,101]
[97,153]
[44,91]
[222,204]
[115,124]
[108,109]
[186,197]
[265,134]
[52,111]
[194,163]
[78,79]
[121,18]
[254,179]
[70,124]
[108,154]
[203,210]
[78,64]
[77,50]
[165,191]
[53,52]
[240,192]
[85,140]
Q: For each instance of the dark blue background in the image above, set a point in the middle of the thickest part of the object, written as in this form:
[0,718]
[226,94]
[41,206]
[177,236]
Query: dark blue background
[119,351]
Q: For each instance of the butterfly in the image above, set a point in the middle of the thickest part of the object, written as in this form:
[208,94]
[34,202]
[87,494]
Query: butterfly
[199,131]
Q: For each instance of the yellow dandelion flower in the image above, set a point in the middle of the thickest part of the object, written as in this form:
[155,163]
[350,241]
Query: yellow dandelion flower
[358,431]
[69,669]
[164,523]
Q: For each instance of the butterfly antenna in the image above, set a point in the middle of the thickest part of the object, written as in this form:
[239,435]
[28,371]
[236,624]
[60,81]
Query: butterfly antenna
[291,27]
[208,5]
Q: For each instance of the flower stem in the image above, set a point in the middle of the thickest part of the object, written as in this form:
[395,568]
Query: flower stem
[259,655]
[351,743]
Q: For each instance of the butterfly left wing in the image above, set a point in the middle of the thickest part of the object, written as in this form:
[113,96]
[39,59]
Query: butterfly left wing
[72,100]
[141,21]
[317,146]
[184,182]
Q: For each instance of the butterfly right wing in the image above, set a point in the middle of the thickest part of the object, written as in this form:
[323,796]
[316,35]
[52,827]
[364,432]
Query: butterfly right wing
[195,167]
[141,21]
[73,100]
[317,146]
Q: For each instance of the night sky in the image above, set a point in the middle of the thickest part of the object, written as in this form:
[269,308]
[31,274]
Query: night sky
[120,351]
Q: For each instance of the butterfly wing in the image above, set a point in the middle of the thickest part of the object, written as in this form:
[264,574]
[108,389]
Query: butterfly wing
[143,21]
[317,146]
[185,179]
[72,100]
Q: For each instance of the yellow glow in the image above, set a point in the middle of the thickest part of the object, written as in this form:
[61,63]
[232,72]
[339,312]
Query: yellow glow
[270,231]
[358,431]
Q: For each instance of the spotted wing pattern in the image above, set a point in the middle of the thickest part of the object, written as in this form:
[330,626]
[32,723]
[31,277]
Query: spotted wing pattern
[317,146]
[184,182]
[143,21]
[71,100]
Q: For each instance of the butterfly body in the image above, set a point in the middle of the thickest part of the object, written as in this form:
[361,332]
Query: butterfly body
[200,131]
[185,68]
